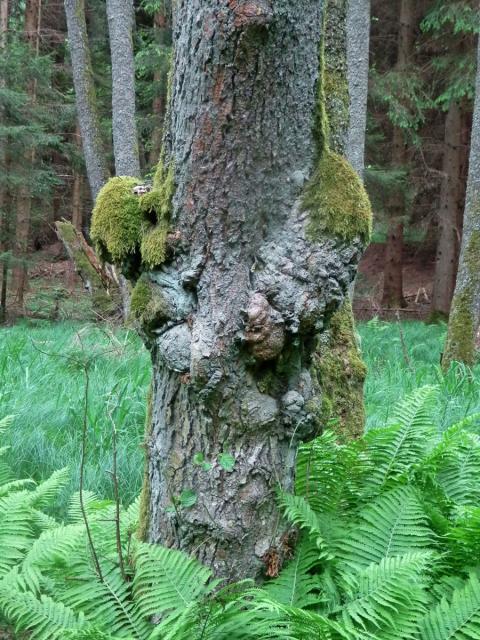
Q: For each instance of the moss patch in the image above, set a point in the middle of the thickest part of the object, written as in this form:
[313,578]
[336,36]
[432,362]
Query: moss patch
[337,201]
[148,304]
[339,371]
[159,199]
[117,220]
[154,245]
[141,297]
[144,509]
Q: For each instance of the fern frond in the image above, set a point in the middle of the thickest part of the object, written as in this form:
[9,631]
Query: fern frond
[320,527]
[394,524]
[44,618]
[296,586]
[328,474]
[458,470]
[167,581]
[5,423]
[47,491]
[457,619]
[93,506]
[395,449]
[380,596]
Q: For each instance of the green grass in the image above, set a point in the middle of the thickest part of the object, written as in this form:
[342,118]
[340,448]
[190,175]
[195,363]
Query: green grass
[390,377]
[43,386]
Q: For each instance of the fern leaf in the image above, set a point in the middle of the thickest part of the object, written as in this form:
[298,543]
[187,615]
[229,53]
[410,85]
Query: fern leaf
[394,524]
[458,619]
[296,586]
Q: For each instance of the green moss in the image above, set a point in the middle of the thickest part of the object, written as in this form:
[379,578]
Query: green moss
[339,371]
[337,201]
[337,108]
[144,509]
[117,221]
[154,245]
[159,199]
[141,298]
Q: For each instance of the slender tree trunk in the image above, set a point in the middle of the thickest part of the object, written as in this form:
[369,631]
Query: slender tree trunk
[77,209]
[85,95]
[358,49]
[125,141]
[464,322]
[393,271]
[162,29]
[450,205]
[249,281]
[33,13]
[4,230]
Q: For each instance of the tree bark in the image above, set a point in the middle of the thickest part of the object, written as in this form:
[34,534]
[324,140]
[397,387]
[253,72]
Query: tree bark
[85,95]
[464,322]
[33,13]
[358,49]
[246,288]
[125,141]
[449,232]
[393,271]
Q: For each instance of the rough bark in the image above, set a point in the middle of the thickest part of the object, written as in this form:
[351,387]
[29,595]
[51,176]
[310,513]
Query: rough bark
[358,49]
[33,13]
[449,233]
[393,271]
[85,95]
[248,276]
[464,322]
[125,141]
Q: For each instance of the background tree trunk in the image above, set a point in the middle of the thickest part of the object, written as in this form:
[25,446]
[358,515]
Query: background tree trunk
[464,323]
[125,141]
[163,36]
[358,49]
[248,284]
[4,230]
[393,271]
[33,13]
[85,95]
[449,232]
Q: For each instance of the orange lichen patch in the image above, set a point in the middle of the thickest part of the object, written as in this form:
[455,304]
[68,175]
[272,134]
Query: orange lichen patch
[204,135]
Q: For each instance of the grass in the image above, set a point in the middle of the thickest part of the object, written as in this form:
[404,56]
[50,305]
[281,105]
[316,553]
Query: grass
[43,386]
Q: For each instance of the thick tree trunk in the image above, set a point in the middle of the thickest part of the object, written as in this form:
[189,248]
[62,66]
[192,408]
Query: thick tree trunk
[358,49]
[33,13]
[464,323]
[393,271]
[125,141]
[449,213]
[85,95]
[266,228]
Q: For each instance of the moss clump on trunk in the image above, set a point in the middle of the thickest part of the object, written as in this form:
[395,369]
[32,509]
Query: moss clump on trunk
[148,305]
[337,201]
[340,373]
[124,224]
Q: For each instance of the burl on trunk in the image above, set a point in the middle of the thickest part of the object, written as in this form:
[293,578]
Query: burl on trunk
[241,252]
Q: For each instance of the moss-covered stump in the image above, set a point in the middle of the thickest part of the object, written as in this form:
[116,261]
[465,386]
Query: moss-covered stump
[339,371]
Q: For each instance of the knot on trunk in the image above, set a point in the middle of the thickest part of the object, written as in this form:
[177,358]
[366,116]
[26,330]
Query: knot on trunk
[265,329]
[251,12]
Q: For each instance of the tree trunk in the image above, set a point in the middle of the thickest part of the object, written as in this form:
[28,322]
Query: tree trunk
[265,229]
[85,95]
[358,49]
[33,13]
[125,141]
[4,230]
[393,271]
[162,29]
[77,210]
[464,323]
[449,232]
